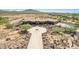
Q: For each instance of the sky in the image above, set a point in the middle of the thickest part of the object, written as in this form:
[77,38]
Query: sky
[43,4]
[67,6]
[61,10]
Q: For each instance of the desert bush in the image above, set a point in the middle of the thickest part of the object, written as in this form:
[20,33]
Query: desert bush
[58,30]
[9,26]
[70,29]
[3,20]
[26,26]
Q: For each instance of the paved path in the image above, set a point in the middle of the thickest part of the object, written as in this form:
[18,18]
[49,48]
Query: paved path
[36,38]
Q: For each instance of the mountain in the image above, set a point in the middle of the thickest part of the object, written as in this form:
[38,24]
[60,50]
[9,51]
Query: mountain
[21,11]
[30,11]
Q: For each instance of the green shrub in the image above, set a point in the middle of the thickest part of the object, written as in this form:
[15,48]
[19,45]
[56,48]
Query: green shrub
[26,26]
[58,29]
[70,29]
[9,26]
[3,20]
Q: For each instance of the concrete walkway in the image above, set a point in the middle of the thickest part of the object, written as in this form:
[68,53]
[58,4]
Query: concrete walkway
[36,38]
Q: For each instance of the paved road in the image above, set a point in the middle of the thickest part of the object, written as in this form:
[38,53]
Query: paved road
[36,38]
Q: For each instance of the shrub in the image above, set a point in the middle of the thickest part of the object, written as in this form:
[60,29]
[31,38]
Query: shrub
[3,20]
[26,26]
[70,29]
[9,26]
[64,37]
[58,29]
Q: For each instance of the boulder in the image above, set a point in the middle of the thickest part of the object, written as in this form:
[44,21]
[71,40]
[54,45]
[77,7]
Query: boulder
[62,25]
